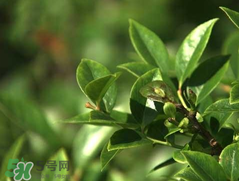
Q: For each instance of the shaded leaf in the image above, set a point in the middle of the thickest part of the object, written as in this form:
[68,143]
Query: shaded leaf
[164,164]
[191,50]
[59,157]
[207,76]
[221,110]
[106,156]
[97,88]
[136,68]
[88,71]
[126,138]
[233,15]
[229,159]
[188,175]
[149,46]
[199,164]
[178,156]
[138,106]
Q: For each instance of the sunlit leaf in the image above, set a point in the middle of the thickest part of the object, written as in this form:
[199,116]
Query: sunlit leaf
[234,94]
[191,50]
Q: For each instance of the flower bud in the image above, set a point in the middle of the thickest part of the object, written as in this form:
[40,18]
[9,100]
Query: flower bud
[169,109]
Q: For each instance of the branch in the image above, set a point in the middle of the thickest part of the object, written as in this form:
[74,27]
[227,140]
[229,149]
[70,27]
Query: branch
[191,115]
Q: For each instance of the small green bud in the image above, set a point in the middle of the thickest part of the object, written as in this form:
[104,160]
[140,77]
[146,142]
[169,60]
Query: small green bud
[183,123]
[168,124]
[169,109]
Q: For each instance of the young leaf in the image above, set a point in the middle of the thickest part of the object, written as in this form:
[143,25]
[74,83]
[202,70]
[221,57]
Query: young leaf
[59,157]
[221,110]
[136,68]
[99,118]
[229,159]
[234,94]
[126,138]
[97,88]
[188,175]
[199,164]
[207,76]
[233,15]
[138,107]
[162,165]
[191,50]
[106,156]
[89,70]
[149,46]
[157,91]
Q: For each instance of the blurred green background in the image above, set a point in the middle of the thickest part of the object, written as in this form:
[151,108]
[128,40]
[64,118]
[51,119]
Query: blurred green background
[41,44]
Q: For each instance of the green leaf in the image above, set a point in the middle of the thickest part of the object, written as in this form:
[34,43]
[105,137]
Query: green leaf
[157,91]
[136,68]
[191,50]
[207,76]
[12,153]
[188,175]
[205,166]
[229,159]
[233,15]
[97,88]
[164,164]
[126,138]
[231,46]
[234,94]
[88,143]
[106,156]
[221,110]
[60,156]
[178,156]
[149,46]
[28,116]
[99,118]
[141,112]
[88,71]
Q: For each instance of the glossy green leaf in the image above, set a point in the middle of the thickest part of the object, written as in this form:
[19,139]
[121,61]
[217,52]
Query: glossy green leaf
[12,153]
[97,88]
[88,71]
[139,109]
[106,156]
[157,91]
[233,15]
[207,76]
[98,118]
[231,46]
[136,68]
[178,156]
[162,165]
[221,110]
[27,115]
[149,46]
[188,175]
[199,163]
[126,138]
[191,50]
[234,94]
[229,159]
[59,157]
[88,143]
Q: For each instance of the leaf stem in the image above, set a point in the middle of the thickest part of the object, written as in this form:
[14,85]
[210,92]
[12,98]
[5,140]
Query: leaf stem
[165,143]
[179,92]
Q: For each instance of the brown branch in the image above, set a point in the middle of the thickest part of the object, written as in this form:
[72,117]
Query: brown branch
[191,115]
